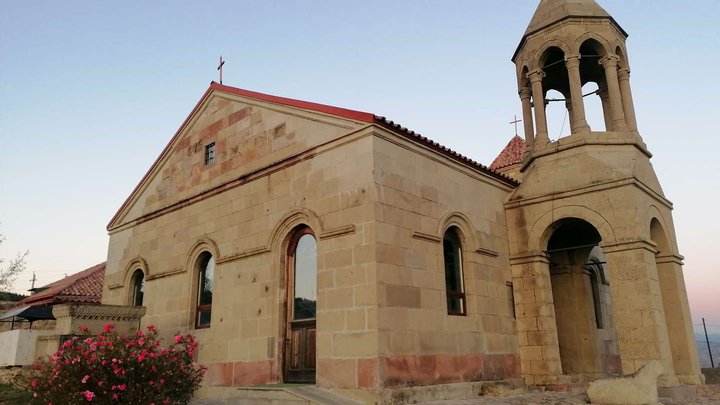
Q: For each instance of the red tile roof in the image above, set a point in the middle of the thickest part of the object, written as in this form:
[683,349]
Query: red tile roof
[85,286]
[359,116]
[512,154]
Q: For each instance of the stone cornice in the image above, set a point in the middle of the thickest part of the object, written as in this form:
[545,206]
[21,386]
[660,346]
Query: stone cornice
[426,237]
[337,232]
[629,245]
[261,250]
[163,274]
[669,258]
[104,312]
[487,252]
[590,189]
[529,257]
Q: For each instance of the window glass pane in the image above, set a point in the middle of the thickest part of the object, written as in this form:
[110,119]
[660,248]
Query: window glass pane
[455,305]
[207,269]
[305,265]
[203,317]
[138,288]
[453,271]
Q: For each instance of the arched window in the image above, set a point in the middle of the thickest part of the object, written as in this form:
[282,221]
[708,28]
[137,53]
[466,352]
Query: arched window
[137,286]
[304,262]
[455,290]
[206,270]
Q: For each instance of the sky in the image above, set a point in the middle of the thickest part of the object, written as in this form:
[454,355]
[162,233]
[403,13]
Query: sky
[90,93]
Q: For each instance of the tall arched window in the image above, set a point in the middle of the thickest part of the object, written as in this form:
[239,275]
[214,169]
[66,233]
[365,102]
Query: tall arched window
[138,286]
[206,270]
[454,286]
[301,329]
[304,258]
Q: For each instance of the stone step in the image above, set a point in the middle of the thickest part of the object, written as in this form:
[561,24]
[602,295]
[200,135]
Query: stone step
[321,396]
[280,394]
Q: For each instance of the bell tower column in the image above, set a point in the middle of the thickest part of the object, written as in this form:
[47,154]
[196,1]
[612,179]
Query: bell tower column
[610,64]
[525,94]
[627,100]
[538,98]
[578,123]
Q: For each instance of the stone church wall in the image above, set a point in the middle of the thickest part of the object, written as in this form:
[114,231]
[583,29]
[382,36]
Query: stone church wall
[420,196]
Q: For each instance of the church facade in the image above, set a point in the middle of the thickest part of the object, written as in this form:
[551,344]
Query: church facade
[307,243]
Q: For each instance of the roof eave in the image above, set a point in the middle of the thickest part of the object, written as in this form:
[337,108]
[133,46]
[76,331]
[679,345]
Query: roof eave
[447,152]
[528,34]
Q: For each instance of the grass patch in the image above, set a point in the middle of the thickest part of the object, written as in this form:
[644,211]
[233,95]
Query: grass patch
[10,394]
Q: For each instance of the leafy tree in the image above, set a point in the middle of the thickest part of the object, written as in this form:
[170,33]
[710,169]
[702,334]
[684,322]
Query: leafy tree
[9,274]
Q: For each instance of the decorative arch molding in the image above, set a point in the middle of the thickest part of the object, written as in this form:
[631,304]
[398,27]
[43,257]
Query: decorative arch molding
[205,244]
[607,47]
[462,222]
[656,215]
[137,263]
[291,220]
[621,52]
[562,45]
[541,231]
[522,71]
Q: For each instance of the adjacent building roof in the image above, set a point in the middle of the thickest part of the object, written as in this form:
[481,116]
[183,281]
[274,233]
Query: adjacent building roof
[512,154]
[85,286]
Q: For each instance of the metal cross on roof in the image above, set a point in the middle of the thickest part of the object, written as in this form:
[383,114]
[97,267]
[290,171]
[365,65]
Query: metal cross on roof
[515,121]
[220,67]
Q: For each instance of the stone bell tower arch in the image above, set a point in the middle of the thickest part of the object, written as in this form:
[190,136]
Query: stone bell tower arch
[593,190]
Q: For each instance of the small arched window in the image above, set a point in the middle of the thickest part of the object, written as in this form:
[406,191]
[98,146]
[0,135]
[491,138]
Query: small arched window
[138,286]
[206,270]
[454,286]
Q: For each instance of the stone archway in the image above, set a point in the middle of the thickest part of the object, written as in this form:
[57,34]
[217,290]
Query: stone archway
[587,340]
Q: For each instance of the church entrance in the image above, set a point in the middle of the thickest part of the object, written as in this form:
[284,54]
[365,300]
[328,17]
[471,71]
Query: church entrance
[583,308]
[300,349]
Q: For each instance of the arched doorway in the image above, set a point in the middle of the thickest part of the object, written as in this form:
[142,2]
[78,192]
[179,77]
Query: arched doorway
[300,349]
[583,307]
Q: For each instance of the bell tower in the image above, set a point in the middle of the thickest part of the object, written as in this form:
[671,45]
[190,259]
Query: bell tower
[597,275]
[567,45]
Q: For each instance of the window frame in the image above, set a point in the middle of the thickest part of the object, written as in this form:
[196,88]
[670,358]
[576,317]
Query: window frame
[292,270]
[210,153]
[200,277]
[460,294]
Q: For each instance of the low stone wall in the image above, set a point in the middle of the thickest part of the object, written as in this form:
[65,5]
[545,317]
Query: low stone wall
[71,317]
[18,347]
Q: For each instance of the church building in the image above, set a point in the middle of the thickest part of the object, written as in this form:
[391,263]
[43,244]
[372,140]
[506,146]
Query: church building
[307,243]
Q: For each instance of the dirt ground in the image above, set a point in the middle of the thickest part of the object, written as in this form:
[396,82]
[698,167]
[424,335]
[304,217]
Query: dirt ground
[556,398]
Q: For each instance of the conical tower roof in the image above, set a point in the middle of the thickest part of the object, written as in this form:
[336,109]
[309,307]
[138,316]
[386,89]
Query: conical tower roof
[552,11]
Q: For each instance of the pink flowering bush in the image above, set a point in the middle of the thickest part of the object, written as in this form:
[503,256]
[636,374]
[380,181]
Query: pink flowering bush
[110,368]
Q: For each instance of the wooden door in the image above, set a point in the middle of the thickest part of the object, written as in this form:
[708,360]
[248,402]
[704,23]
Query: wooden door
[300,350]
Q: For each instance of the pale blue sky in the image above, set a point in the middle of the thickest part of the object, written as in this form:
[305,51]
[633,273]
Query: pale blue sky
[90,92]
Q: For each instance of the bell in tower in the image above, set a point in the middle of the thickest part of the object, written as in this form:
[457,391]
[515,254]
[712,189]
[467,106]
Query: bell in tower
[592,239]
